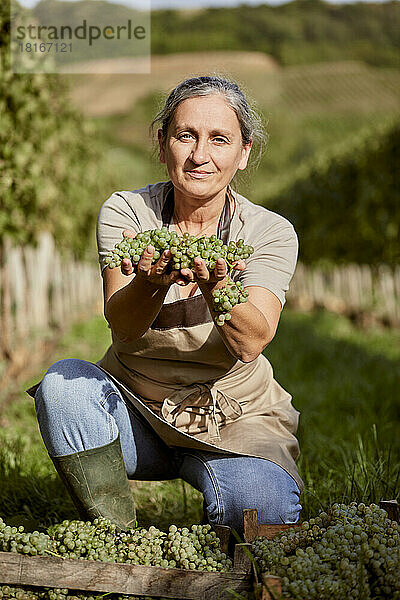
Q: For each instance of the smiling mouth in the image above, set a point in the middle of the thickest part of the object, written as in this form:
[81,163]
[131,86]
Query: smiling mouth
[199,174]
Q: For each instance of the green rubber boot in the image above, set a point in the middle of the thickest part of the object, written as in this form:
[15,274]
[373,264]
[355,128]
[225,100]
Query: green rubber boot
[97,482]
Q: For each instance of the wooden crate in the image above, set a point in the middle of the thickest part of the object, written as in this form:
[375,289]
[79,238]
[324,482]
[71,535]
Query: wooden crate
[392,509]
[95,576]
[41,571]
[270,584]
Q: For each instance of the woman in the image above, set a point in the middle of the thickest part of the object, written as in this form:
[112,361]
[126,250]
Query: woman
[175,395]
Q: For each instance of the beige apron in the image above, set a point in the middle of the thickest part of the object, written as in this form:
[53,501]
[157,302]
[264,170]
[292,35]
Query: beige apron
[245,411]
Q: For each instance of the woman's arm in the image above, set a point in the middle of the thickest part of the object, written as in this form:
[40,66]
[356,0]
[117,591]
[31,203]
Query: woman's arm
[253,323]
[266,275]
[131,303]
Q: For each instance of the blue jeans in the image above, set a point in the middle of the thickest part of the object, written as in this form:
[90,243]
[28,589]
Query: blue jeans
[79,407]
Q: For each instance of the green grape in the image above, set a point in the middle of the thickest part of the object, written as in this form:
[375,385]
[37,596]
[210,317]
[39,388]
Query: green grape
[99,540]
[184,249]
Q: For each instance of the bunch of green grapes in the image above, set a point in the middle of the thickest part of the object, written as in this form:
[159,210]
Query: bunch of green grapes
[181,548]
[85,539]
[197,548]
[224,299]
[8,592]
[16,539]
[351,551]
[184,249]
[143,547]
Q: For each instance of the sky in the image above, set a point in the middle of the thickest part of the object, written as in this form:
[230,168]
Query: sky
[145,4]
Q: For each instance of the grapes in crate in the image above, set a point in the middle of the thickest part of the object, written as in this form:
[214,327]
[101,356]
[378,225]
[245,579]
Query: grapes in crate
[351,552]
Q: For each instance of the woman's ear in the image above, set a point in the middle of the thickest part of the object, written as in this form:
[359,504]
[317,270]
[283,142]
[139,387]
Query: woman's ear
[161,143]
[245,155]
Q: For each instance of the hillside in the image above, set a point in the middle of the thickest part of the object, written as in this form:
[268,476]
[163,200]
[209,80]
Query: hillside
[103,95]
[299,32]
[308,108]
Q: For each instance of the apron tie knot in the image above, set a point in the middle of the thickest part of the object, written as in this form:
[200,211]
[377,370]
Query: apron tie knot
[201,398]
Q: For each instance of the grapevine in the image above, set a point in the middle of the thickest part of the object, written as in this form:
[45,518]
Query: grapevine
[184,249]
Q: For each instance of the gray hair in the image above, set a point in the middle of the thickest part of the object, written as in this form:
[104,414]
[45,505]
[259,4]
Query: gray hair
[251,124]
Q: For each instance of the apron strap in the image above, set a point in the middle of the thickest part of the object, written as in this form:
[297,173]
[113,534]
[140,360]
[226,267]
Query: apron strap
[168,208]
[224,223]
[206,396]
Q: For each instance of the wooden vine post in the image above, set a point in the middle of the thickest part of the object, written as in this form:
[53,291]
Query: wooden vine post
[5,303]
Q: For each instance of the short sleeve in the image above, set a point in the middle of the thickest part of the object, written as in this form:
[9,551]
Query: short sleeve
[115,215]
[274,260]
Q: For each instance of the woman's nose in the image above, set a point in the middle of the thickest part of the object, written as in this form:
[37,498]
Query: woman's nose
[199,153]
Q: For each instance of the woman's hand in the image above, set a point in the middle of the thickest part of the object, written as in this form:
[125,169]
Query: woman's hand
[202,275]
[156,274]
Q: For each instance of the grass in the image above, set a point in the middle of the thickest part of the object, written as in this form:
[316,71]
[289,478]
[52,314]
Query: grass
[343,380]
[345,383]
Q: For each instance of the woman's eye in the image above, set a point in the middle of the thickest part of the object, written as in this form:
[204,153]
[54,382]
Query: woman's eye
[185,136]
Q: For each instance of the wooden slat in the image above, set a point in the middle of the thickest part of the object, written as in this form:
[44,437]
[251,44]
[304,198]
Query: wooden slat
[271,587]
[96,576]
[392,509]
[252,528]
[349,289]
[250,521]
[39,290]
[242,558]
[270,531]
[224,533]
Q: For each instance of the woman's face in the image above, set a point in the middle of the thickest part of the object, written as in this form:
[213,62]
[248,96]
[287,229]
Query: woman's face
[203,148]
